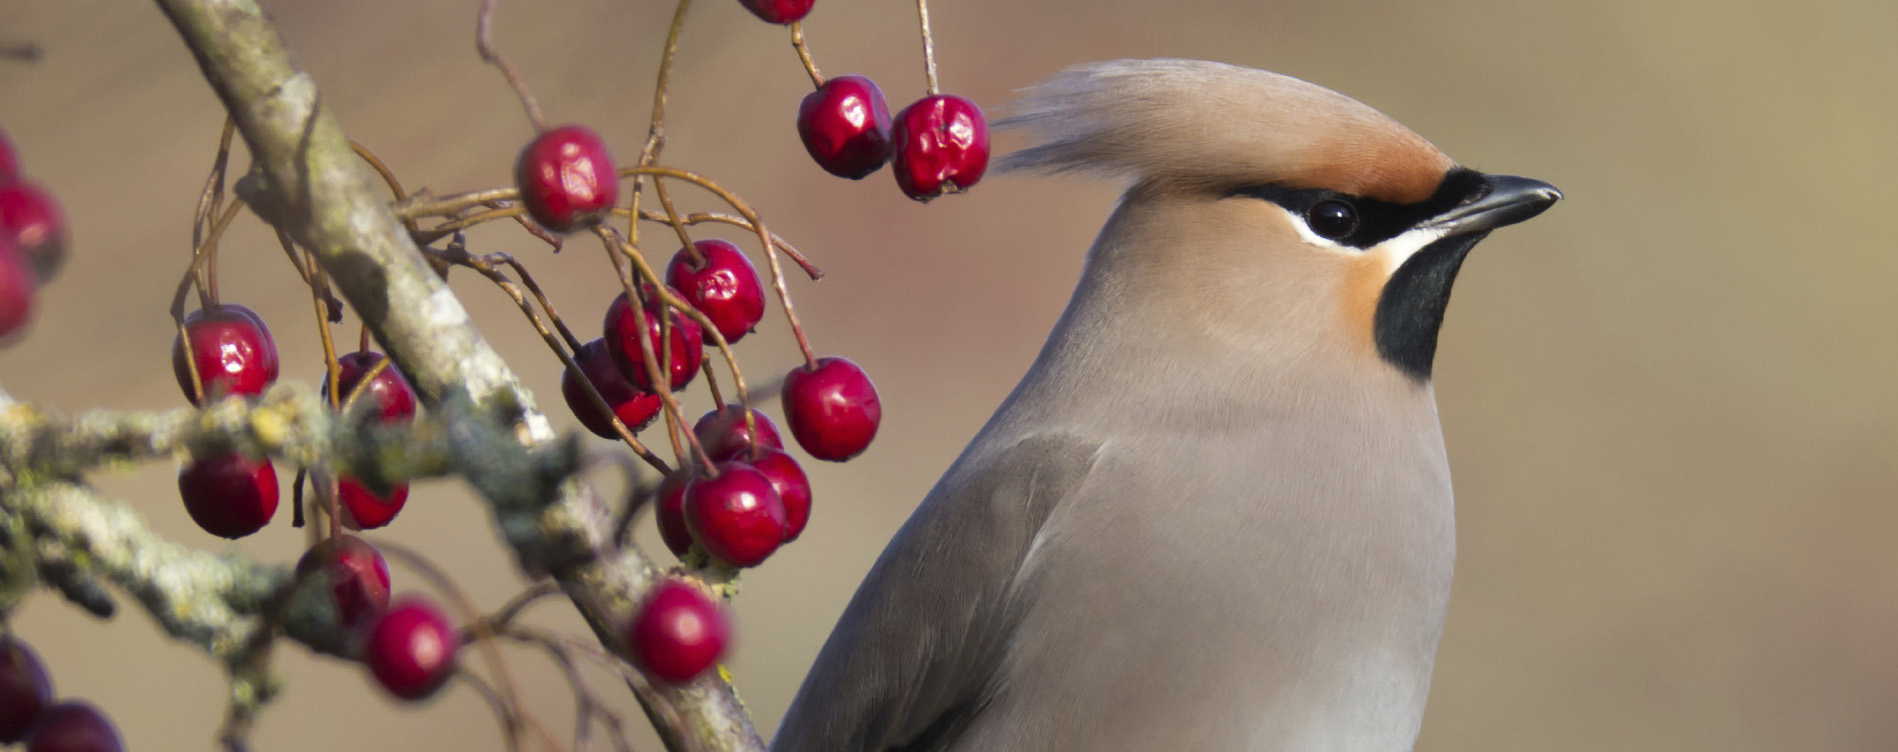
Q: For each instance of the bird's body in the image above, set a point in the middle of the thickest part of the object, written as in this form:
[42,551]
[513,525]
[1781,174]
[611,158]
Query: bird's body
[1216,513]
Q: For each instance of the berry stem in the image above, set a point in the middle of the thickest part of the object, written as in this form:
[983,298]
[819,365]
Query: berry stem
[678,225]
[424,205]
[458,255]
[619,251]
[701,217]
[804,54]
[673,302]
[362,385]
[929,49]
[191,363]
[213,194]
[362,339]
[464,608]
[656,132]
[375,162]
[764,239]
[484,44]
[711,381]
[335,368]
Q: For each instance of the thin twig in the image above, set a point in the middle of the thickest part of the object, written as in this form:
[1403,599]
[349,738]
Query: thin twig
[484,44]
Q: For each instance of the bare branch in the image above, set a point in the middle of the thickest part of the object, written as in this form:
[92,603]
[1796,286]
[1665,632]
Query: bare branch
[316,188]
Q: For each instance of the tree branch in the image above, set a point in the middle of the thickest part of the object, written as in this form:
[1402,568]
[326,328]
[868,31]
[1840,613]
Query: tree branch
[314,187]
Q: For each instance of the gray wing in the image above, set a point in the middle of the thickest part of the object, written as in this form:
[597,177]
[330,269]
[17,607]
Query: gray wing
[907,663]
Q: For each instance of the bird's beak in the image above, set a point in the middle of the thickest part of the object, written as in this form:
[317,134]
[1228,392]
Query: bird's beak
[1510,200]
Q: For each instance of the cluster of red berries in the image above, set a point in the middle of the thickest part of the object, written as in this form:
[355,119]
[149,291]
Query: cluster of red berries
[32,241]
[758,497]
[409,647]
[939,144]
[226,350]
[28,713]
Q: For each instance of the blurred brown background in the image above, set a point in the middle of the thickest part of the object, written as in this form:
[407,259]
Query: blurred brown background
[1668,402]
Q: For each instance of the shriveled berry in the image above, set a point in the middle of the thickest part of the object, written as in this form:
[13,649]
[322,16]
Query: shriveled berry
[833,409]
[357,574]
[670,512]
[229,495]
[567,178]
[794,489]
[634,406]
[622,343]
[411,649]
[73,726]
[25,690]
[779,11]
[233,351]
[845,125]
[725,436]
[942,146]
[736,516]
[363,509]
[32,219]
[677,633]
[389,388]
[17,293]
[722,284]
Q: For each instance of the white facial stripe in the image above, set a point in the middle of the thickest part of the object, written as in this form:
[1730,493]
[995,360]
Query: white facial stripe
[1394,252]
[1399,249]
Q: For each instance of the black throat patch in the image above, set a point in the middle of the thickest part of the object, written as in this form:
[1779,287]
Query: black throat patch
[1410,308]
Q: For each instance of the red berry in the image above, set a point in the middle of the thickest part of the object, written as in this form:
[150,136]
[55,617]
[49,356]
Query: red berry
[229,495]
[724,286]
[677,633]
[942,146]
[833,410]
[363,509]
[779,11]
[845,125]
[567,178]
[358,576]
[34,222]
[736,517]
[724,436]
[622,344]
[9,160]
[73,726]
[389,388]
[793,488]
[671,512]
[233,351]
[16,289]
[635,408]
[411,649]
[25,689]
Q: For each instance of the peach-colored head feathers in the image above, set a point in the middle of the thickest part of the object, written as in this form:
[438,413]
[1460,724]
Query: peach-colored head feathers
[1211,125]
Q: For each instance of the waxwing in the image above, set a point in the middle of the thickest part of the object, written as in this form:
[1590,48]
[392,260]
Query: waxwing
[1216,513]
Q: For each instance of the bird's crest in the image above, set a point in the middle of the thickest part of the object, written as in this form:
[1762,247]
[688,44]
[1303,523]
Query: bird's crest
[1218,126]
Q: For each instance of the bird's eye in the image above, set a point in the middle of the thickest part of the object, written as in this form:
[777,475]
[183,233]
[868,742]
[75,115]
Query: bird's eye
[1332,219]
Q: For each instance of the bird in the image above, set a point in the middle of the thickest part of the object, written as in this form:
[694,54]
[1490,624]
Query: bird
[1216,513]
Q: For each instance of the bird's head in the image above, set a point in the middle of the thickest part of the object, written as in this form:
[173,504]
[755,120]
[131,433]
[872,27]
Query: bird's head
[1265,205]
